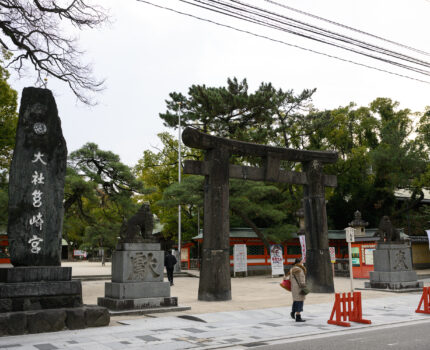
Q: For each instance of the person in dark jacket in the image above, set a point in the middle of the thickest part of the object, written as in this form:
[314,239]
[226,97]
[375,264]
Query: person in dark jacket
[169,262]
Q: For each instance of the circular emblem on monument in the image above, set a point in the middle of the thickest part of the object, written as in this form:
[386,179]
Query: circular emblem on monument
[40,128]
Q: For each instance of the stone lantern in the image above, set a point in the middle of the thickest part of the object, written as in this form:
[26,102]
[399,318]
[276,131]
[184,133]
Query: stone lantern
[301,215]
[358,224]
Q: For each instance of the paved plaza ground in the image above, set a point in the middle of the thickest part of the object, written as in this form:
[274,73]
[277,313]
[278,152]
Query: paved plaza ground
[258,314]
[248,293]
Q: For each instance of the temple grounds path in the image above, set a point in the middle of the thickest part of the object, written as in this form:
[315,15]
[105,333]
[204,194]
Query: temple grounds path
[248,293]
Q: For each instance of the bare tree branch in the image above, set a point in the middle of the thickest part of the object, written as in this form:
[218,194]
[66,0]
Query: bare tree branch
[32,31]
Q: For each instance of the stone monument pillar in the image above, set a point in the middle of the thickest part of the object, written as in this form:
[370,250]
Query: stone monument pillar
[37,294]
[36,183]
[138,271]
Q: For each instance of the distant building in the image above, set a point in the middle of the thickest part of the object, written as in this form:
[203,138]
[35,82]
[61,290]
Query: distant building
[259,258]
[403,194]
[4,248]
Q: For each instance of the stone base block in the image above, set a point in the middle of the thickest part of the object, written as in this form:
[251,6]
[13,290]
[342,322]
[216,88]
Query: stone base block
[52,320]
[138,265]
[393,276]
[393,285]
[36,289]
[38,303]
[149,311]
[133,304]
[13,323]
[42,321]
[391,245]
[137,290]
[75,318]
[35,274]
[138,246]
[96,316]
[388,257]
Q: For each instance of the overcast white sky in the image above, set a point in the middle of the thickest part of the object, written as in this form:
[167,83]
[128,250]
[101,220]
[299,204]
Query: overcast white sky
[147,52]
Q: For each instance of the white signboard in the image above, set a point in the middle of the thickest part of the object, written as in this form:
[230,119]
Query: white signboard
[240,262]
[302,239]
[277,260]
[368,256]
[428,234]
[184,254]
[82,253]
[350,234]
[332,251]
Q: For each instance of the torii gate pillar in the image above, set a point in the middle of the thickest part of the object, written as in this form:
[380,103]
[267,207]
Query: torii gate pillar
[215,282]
[320,274]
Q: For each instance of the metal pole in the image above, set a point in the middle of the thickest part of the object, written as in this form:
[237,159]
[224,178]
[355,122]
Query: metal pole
[179,181]
[198,221]
[350,267]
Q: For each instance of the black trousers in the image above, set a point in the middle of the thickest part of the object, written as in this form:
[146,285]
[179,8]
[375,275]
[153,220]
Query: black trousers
[297,306]
[170,274]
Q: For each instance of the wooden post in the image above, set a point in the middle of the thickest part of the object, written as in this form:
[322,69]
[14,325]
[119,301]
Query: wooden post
[215,282]
[320,275]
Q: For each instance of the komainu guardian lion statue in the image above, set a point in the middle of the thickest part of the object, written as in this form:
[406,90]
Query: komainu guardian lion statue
[387,231]
[138,229]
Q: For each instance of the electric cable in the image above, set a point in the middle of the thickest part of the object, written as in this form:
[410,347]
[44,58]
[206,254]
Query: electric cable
[282,42]
[348,27]
[367,46]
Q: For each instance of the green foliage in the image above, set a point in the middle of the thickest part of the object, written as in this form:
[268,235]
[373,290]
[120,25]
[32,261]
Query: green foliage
[266,205]
[423,131]
[99,196]
[159,171]
[106,169]
[188,192]
[396,159]
[233,112]
[266,116]
[8,124]
[378,155]
[378,152]
[417,221]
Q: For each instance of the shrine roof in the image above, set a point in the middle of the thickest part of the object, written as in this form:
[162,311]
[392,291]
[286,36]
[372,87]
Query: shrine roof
[246,232]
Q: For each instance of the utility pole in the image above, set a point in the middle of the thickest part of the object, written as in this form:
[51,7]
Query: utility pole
[179,181]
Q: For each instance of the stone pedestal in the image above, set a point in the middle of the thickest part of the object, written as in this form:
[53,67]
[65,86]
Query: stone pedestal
[137,279]
[44,299]
[393,268]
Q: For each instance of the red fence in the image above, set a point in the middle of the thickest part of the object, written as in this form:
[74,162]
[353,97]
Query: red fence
[424,302]
[347,308]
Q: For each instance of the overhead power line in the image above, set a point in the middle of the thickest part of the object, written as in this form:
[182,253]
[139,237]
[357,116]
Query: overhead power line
[253,14]
[282,42]
[348,27]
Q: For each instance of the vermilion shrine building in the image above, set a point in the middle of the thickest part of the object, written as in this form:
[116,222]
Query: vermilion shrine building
[259,258]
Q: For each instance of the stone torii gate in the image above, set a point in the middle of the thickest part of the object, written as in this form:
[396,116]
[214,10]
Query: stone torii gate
[215,283]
